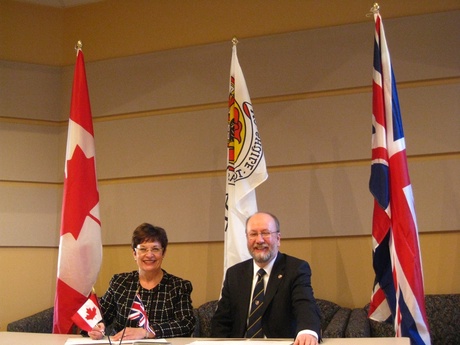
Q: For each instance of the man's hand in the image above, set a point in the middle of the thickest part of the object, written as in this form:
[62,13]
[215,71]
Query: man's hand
[305,339]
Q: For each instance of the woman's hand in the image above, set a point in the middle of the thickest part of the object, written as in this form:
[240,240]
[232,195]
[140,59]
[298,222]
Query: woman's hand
[98,331]
[130,334]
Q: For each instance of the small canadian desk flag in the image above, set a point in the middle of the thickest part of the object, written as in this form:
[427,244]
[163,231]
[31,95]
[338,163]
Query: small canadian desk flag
[89,314]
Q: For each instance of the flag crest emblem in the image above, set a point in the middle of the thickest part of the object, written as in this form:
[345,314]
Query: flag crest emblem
[244,145]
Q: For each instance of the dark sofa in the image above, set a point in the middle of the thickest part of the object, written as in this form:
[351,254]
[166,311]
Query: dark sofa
[334,319]
[443,314]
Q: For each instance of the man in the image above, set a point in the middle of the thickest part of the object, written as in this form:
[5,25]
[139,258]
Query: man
[287,306]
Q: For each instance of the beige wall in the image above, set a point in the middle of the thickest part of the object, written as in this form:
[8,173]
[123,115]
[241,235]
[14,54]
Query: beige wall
[145,91]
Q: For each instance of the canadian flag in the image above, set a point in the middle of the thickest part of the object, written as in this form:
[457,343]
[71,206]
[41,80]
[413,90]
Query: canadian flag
[80,246]
[89,314]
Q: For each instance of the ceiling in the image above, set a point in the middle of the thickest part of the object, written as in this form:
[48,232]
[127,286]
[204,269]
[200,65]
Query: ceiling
[59,3]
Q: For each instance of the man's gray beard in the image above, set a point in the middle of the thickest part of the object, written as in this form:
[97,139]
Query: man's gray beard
[262,258]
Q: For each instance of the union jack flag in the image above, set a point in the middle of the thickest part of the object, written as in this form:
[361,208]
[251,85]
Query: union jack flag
[398,293]
[137,313]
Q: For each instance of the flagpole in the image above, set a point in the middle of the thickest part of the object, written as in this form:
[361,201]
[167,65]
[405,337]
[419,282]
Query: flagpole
[78,48]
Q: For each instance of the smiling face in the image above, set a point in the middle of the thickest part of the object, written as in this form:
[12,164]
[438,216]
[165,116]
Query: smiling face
[149,244]
[149,256]
[263,238]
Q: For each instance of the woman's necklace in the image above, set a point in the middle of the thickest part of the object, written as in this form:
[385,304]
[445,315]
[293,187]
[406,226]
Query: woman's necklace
[149,284]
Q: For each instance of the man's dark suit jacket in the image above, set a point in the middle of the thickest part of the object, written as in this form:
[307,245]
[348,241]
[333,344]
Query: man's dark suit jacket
[289,305]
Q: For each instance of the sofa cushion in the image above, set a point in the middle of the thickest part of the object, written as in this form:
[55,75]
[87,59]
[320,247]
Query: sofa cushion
[358,324]
[338,324]
[327,311]
[380,329]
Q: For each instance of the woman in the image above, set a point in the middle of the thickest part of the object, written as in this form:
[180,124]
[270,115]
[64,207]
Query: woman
[164,297]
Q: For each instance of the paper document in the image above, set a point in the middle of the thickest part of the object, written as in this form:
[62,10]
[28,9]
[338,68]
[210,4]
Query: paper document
[86,341]
[239,342]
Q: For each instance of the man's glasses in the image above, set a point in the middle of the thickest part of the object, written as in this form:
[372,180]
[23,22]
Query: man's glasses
[264,234]
[145,250]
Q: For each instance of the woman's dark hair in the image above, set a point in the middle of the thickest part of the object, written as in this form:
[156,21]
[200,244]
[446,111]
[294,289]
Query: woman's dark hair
[149,233]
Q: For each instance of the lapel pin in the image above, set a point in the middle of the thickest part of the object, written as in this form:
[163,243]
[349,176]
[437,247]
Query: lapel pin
[280,276]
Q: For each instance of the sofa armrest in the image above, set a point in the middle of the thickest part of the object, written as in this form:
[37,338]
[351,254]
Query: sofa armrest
[358,325]
[205,312]
[41,322]
[336,328]
[196,330]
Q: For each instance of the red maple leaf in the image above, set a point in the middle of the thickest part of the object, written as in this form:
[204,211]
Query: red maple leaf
[90,313]
[80,192]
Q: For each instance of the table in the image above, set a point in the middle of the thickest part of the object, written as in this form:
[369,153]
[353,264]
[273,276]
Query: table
[19,338]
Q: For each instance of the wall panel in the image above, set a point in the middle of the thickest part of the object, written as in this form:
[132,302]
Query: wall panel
[30,91]
[30,152]
[170,144]
[325,201]
[29,215]
[325,129]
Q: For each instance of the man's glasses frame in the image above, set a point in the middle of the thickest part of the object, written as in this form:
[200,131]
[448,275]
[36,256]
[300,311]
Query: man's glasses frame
[264,234]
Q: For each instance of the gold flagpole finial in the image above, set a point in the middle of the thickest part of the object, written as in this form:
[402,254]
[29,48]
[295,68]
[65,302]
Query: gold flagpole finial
[234,41]
[375,8]
[78,46]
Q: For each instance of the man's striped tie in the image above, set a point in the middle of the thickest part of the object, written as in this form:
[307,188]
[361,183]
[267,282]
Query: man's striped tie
[255,315]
